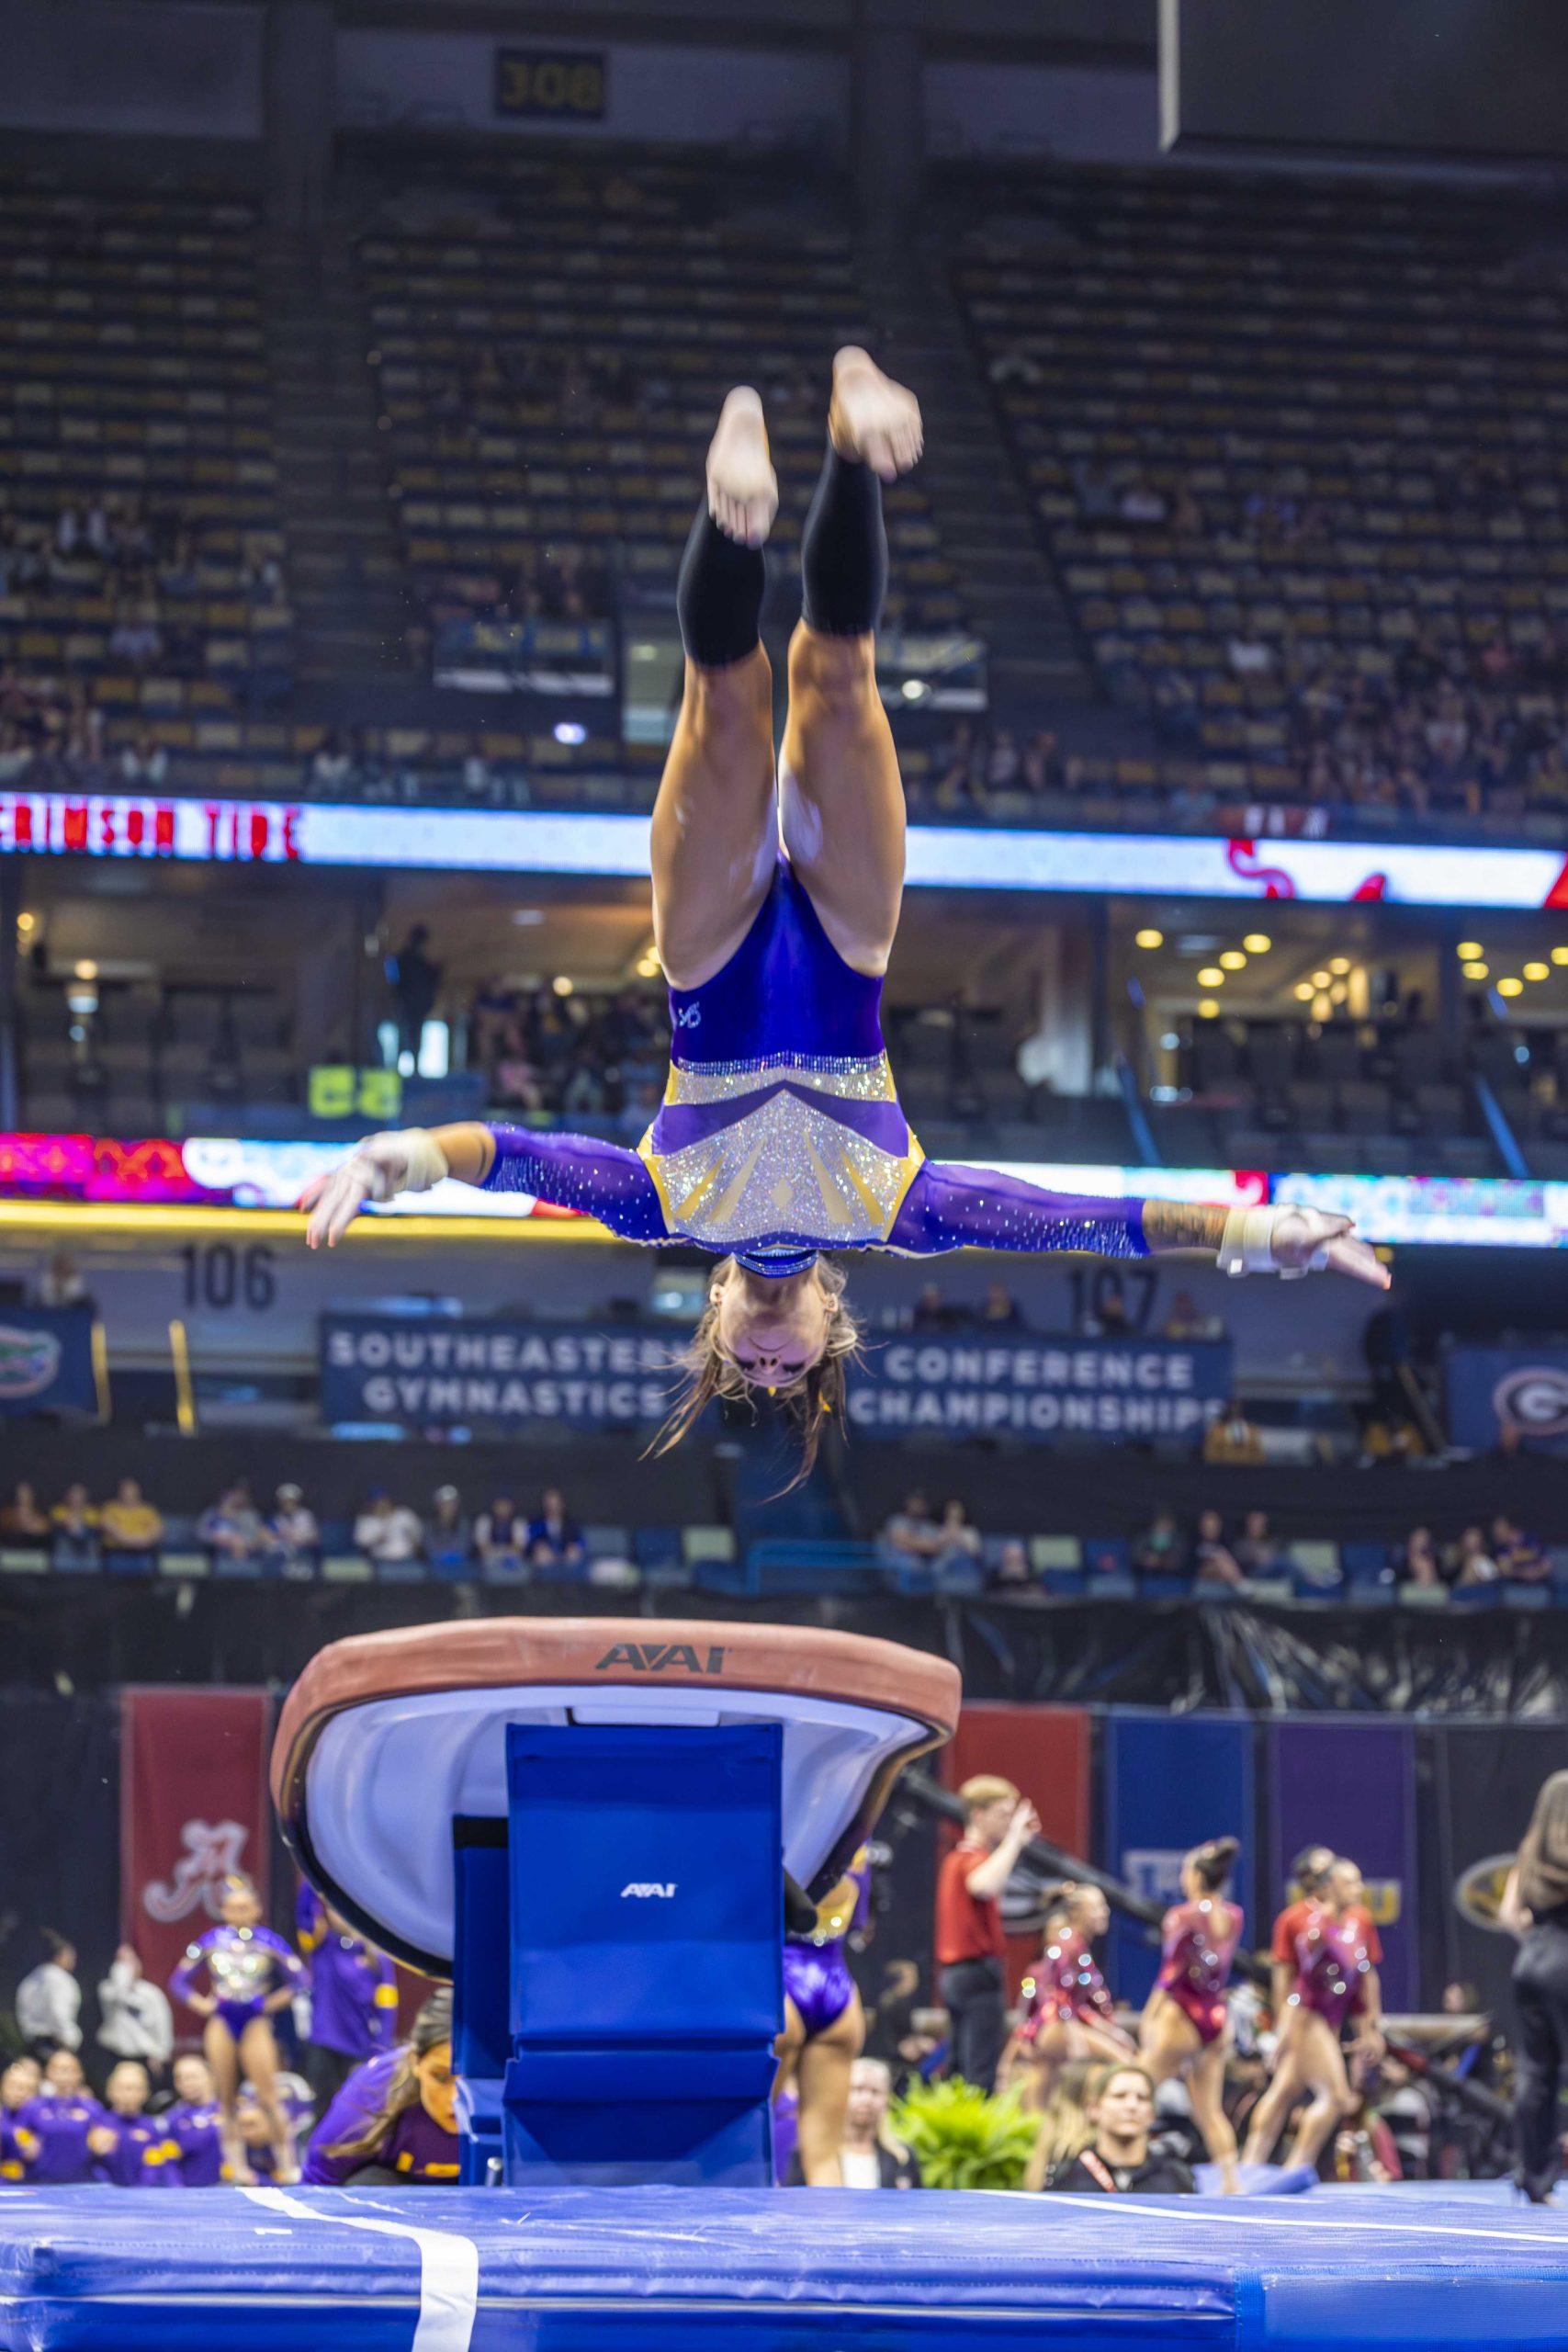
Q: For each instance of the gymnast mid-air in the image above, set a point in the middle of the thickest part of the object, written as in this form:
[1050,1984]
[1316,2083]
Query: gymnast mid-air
[776,891]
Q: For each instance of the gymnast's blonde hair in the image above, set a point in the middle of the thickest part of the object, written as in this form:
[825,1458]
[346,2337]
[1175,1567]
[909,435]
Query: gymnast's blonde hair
[812,1399]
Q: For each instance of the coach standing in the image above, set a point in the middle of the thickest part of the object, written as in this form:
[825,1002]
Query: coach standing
[997,1825]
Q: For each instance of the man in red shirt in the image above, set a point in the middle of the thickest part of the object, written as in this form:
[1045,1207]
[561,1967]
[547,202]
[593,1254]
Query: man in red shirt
[997,1825]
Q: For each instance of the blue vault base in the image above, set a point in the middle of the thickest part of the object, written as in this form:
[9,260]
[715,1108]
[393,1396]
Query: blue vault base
[674,2270]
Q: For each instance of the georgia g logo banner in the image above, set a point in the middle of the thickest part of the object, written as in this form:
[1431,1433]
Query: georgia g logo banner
[1533,1400]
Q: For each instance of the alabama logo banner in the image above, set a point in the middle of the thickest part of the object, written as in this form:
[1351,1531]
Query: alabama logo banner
[193,1807]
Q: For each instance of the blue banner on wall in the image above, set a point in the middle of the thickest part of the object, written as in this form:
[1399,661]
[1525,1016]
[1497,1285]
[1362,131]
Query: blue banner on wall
[1170,1782]
[46,1360]
[1523,1391]
[1352,1786]
[461,1372]
[932,1385]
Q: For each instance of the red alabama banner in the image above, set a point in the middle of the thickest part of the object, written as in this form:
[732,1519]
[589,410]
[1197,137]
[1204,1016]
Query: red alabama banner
[192,1806]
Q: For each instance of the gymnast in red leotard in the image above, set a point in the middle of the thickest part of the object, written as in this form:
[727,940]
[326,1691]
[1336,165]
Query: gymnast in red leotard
[1186,2022]
[1068,2010]
[1332,1969]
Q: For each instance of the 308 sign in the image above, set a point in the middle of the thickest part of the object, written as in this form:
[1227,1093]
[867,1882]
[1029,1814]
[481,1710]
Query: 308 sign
[572,83]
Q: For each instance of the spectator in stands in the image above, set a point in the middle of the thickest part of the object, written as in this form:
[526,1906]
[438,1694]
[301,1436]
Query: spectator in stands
[388,1533]
[230,1529]
[293,1539]
[911,1534]
[1161,1549]
[1417,1561]
[1186,1320]
[1520,1559]
[62,1282]
[74,1542]
[870,2154]
[1257,1551]
[21,1519]
[129,1522]
[554,1540]
[1231,1438]
[1213,1561]
[145,762]
[449,1538]
[931,1311]
[1013,1572]
[1472,1563]
[1120,2102]
[959,1544]
[138,2022]
[49,2001]
[499,1535]
[998,1309]
[415,983]
[997,1825]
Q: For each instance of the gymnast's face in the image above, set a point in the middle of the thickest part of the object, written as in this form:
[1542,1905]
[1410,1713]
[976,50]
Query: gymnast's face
[772,1331]
[240,1908]
[437,2084]
[64,2074]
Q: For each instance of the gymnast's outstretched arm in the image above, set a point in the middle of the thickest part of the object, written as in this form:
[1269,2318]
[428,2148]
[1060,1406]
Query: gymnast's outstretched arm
[948,1207]
[600,1180]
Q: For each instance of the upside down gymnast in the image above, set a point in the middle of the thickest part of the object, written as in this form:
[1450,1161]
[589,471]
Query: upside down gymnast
[776,891]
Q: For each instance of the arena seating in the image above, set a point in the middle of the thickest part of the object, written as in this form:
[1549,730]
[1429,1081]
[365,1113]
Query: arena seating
[1294,450]
[553,339]
[711,1558]
[141,572]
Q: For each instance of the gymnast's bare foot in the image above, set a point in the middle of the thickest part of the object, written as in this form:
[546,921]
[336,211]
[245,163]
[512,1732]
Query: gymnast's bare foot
[872,418]
[743,490]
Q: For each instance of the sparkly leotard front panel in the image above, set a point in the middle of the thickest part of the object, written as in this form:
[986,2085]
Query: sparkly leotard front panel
[1198,1945]
[780,1133]
[244,1966]
[1065,1985]
[1332,1965]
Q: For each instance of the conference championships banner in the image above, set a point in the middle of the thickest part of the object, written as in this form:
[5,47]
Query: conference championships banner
[467,1372]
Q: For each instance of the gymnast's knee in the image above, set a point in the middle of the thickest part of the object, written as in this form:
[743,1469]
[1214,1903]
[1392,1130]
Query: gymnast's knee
[838,672]
[733,702]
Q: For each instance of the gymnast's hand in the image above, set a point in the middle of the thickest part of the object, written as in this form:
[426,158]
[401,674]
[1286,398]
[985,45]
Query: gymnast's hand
[411,1161]
[1290,1242]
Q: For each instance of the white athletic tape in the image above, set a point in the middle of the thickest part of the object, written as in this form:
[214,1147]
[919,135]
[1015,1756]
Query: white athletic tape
[448,2269]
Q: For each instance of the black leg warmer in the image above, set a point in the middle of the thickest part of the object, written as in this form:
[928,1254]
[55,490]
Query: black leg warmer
[719,595]
[843,551]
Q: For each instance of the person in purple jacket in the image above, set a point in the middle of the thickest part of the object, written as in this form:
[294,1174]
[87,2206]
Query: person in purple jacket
[777,884]
[251,1974]
[132,2149]
[51,2131]
[353,1994]
[396,2117]
[195,2123]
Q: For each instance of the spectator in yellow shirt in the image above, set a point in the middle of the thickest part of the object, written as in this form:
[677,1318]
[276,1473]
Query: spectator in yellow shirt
[1233,1438]
[129,1523]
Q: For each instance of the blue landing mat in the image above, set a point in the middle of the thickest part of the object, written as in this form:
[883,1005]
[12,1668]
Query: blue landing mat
[679,2270]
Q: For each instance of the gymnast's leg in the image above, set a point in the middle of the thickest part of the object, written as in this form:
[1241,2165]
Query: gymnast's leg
[842,799]
[716,820]
[823,2071]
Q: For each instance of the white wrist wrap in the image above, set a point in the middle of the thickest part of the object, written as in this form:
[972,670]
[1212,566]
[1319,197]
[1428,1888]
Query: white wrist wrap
[425,1163]
[1246,1246]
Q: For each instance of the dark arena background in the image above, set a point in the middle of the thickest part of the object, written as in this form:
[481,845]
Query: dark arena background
[1035,1813]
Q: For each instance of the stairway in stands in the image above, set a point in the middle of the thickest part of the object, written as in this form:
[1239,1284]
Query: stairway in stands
[1036,661]
[345,579]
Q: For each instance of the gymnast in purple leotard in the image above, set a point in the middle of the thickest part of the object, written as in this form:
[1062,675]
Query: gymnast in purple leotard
[251,1975]
[824,2025]
[777,882]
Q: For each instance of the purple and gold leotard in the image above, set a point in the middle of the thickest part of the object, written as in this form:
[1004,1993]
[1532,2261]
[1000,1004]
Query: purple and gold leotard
[244,1967]
[1200,1940]
[816,1973]
[781,1133]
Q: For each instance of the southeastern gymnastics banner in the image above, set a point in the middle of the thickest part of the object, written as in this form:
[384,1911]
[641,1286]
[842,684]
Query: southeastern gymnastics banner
[461,1370]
